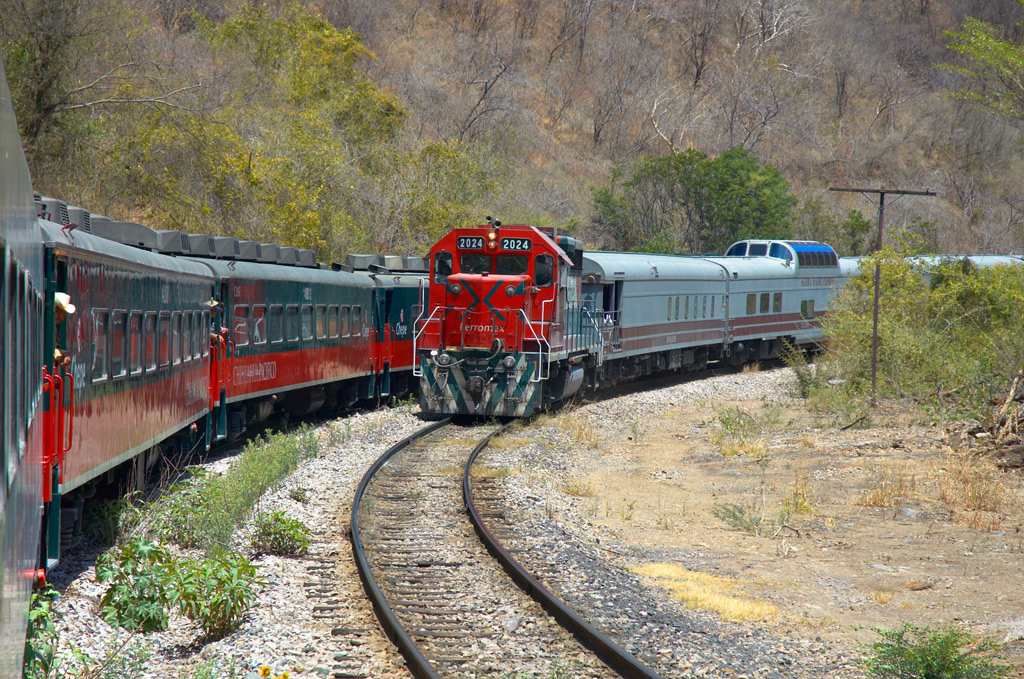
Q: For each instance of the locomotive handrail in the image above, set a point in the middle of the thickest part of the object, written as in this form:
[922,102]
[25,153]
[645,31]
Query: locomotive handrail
[70,379]
[542,341]
[417,370]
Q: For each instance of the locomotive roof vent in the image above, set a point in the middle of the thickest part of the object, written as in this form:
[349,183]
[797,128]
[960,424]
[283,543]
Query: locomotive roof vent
[80,216]
[390,262]
[201,245]
[249,251]
[305,257]
[56,210]
[267,253]
[360,262]
[286,254]
[172,242]
[225,247]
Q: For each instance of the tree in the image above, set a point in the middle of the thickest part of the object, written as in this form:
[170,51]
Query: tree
[994,68]
[692,203]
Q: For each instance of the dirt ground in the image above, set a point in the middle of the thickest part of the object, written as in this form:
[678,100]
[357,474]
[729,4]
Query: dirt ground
[840,531]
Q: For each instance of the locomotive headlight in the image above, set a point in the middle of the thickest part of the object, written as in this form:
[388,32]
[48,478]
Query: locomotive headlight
[492,239]
[510,290]
[509,362]
[444,359]
[456,289]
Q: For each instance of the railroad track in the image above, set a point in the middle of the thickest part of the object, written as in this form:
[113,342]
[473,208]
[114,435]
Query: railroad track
[445,602]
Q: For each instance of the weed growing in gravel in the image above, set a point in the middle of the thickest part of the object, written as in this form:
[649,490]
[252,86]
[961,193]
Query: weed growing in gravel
[40,636]
[974,489]
[299,494]
[146,580]
[912,652]
[800,500]
[626,512]
[107,521]
[581,430]
[578,488]
[276,533]
[205,513]
[637,430]
[750,518]
[890,487]
[481,471]
[337,434]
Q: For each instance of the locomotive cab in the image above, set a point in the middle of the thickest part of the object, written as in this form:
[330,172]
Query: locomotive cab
[504,316]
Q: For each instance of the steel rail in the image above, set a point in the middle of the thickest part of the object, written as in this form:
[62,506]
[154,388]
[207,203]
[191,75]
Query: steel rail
[613,655]
[414,658]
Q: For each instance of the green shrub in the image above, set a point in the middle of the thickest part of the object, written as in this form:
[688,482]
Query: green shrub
[206,513]
[41,636]
[912,652]
[137,598]
[216,591]
[108,520]
[275,533]
[299,494]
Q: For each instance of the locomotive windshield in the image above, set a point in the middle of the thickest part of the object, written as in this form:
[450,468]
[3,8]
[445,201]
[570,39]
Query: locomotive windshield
[508,265]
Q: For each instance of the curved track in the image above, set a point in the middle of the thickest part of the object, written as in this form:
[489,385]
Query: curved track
[443,601]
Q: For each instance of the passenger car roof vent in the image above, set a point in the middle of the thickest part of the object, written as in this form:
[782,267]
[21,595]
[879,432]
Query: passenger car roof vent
[173,242]
[410,263]
[82,217]
[128,233]
[54,210]
[201,245]
[268,253]
[249,250]
[227,248]
[306,257]
[360,262]
[286,254]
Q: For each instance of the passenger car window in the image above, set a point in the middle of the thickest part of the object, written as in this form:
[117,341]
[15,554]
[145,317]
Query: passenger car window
[163,334]
[176,337]
[99,345]
[751,303]
[149,341]
[307,321]
[186,336]
[118,367]
[204,325]
[240,325]
[764,302]
[357,322]
[332,320]
[259,324]
[135,342]
[321,321]
[346,321]
[275,327]
[757,250]
[777,302]
[291,322]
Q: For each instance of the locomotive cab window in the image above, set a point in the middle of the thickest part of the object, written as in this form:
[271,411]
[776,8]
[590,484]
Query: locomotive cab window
[149,339]
[757,250]
[99,345]
[442,266]
[240,325]
[307,322]
[135,343]
[259,324]
[118,367]
[275,326]
[291,322]
[544,270]
[472,262]
[780,251]
[511,265]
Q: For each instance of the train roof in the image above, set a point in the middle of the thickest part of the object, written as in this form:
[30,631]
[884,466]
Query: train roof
[850,266]
[607,266]
[278,272]
[59,236]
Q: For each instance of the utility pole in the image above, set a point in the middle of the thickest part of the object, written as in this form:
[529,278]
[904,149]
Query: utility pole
[882,191]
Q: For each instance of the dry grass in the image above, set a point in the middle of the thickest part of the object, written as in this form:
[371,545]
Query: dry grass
[800,500]
[972,484]
[753,448]
[808,442]
[484,472]
[508,443]
[581,430]
[890,487]
[754,367]
[578,488]
[881,597]
[707,592]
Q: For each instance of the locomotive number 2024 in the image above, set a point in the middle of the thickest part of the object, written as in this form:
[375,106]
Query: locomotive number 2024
[517,244]
[470,243]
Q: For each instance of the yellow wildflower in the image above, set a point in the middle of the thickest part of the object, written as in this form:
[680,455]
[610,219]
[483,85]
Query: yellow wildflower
[264,671]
